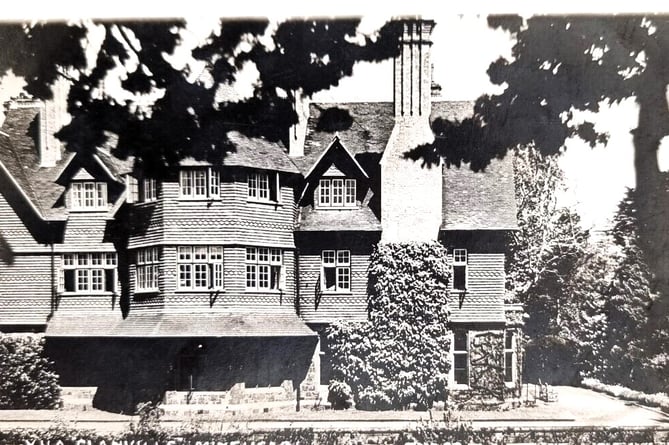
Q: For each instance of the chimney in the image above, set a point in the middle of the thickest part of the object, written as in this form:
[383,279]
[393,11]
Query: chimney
[413,69]
[52,118]
[411,193]
[298,131]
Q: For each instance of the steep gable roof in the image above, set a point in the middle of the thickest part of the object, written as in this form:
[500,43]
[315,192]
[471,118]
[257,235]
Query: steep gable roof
[20,158]
[334,145]
[472,201]
[258,153]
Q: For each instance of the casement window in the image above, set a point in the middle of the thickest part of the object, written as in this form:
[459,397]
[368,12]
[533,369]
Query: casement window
[264,269]
[141,190]
[88,273]
[263,186]
[199,183]
[336,270]
[461,357]
[88,195]
[460,269]
[336,193]
[147,267]
[509,356]
[200,267]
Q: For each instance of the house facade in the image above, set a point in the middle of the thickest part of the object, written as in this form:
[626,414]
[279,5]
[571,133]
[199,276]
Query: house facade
[216,283]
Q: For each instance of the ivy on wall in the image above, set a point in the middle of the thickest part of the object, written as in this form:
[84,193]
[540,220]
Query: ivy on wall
[400,356]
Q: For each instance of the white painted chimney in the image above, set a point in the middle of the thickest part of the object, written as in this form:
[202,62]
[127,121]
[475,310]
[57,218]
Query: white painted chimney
[52,118]
[411,194]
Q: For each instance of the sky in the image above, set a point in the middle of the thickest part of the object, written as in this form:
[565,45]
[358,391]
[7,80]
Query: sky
[464,46]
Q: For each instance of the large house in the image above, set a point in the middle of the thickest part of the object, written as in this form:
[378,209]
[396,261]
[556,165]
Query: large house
[216,283]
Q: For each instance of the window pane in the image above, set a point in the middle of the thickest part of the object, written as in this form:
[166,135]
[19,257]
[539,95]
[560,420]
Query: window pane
[97,279]
[214,183]
[200,183]
[251,254]
[96,259]
[275,277]
[328,257]
[343,257]
[337,192]
[343,278]
[185,275]
[263,276]
[186,182]
[324,192]
[460,369]
[253,185]
[216,253]
[350,191]
[110,259]
[217,275]
[82,259]
[459,277]
[460,256]
[329,278]
[263,255]
[200,253]
[185,253]
[508,340]
[508,366]
[69,280]
[263,186]
[276,256]
[68,259]
[460,341]
[250,276]
[201,276]
[82,279]
[101,195]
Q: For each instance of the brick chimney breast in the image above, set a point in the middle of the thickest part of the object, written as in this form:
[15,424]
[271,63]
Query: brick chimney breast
[411,194]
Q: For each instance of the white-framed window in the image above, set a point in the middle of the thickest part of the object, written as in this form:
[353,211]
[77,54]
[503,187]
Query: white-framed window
[263,186]
[509,356]
[264,269]
[336,270]
[461,357]
[460,269]
[199,183]
[147,269]
[88,195]
[149,190]
[336,193]
[200,267]
[88,272]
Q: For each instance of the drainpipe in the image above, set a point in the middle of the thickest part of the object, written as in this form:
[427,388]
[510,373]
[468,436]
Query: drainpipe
[53,271]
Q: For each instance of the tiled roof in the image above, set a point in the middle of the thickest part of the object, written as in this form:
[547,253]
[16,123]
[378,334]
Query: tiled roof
[480,201]
[476,308]
[258,153]
[117,167]
[362,219]
[175,324]
[472,201]
[20,157]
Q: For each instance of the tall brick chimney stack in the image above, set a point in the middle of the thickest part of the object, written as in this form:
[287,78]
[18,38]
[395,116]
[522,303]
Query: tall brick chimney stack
[52,118]
[411,194]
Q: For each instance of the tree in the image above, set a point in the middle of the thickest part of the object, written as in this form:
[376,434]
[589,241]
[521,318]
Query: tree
[547,246]
[562,65]
[185,117]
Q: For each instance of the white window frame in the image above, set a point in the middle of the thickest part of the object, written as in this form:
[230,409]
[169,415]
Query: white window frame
[264,269]
[88,272]
[199,268]
[512,351]
[340,261]
[336,193]
[199,183]
[88,195]
[460,259]
[149,190]
[261,184]
[147,269]
[456,352]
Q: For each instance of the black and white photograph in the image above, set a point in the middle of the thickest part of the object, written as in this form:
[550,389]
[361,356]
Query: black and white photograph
[318,226]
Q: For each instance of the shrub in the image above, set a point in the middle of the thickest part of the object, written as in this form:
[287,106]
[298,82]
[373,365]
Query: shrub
[339,395]
[27,379]
[399,358]
[659,399]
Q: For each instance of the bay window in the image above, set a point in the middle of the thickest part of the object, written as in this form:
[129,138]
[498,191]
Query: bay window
[200,267]
[147,269]
[264,269]
[199,183]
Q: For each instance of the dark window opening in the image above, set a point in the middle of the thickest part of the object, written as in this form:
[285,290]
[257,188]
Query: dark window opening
[330,278]
[460,277]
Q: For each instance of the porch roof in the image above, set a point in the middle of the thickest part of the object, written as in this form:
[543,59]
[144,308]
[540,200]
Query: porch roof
[176,324]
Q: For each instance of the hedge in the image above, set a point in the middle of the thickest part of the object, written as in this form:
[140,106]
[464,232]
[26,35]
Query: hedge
[660,399]
[27,379]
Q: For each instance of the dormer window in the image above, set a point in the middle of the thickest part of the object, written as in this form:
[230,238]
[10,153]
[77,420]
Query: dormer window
[199,183]
[336,193]
[88,195]
[263,186]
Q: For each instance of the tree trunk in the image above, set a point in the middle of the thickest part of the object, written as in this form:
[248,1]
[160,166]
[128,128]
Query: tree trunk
[652,196]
